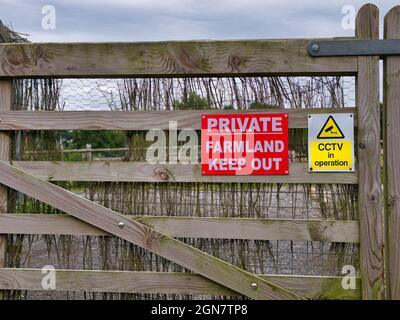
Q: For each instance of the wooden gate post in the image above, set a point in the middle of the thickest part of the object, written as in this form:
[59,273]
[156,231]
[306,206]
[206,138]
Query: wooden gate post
[5,154]
[369,166]
[392,158]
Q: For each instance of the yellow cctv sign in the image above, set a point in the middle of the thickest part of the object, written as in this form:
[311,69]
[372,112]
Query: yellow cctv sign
[331,142]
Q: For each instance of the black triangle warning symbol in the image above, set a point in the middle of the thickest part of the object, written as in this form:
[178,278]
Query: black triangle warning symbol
[330,130]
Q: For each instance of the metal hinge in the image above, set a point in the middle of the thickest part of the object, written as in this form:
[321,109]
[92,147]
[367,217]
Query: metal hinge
[381,48]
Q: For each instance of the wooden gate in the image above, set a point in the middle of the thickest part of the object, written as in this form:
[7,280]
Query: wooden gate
[185,59]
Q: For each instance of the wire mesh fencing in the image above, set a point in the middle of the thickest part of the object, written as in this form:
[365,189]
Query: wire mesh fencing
[234,200]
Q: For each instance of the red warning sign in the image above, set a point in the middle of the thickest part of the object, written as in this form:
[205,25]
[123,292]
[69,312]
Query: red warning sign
[244,144]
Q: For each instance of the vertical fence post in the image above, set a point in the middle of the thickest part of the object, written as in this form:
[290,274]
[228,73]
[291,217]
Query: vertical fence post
[392,158]
[369,165]
[88,153]
[5,154]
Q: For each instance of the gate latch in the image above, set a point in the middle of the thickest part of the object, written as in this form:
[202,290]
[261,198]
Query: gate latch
[381,48]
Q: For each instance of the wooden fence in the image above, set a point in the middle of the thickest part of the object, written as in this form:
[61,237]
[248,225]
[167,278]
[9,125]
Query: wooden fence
[88,152]
[210,275]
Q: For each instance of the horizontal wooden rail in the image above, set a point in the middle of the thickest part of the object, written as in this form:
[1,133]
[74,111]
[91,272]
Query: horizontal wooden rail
[311,287]
[93,150]
[81,150]
[193,227]
[169,59]
[124,171]
[135,120]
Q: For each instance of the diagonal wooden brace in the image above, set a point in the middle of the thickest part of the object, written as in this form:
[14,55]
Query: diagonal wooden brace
[144,236]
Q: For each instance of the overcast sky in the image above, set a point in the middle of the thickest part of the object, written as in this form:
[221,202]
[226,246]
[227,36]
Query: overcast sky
[148,20]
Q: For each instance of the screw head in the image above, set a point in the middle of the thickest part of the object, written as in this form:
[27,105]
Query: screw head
[254,286]
[315,47]
[121,225]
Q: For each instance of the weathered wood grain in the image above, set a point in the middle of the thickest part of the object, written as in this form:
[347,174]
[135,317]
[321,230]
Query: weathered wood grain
[125,171]
[167,59]
[5,154]
[137,120]
[311,287]
[392,157]
[193,227]
[146,237]
[370,193]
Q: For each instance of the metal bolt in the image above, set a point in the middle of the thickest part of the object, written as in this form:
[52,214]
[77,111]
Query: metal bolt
[163,176]
[121,225]
[254,286]
[315,47]
[362,145]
